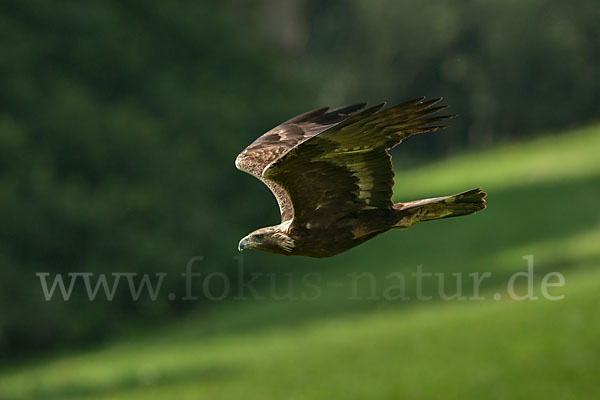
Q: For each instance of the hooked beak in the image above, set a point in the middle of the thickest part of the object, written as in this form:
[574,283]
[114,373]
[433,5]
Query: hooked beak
[243,244]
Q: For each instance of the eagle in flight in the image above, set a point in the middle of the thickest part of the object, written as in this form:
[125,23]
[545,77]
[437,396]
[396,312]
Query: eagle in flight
[332,176]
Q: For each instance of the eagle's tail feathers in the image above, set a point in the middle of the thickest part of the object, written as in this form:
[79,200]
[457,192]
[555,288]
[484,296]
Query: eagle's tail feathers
[456,205]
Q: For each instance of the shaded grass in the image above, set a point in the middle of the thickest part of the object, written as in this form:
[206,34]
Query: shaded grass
[543,201]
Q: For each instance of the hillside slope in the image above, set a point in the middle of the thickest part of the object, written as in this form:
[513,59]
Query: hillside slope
[352,342]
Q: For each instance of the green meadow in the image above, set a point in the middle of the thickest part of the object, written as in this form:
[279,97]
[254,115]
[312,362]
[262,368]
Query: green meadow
[348,335]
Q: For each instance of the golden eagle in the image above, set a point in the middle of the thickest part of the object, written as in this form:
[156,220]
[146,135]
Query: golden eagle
[332,175]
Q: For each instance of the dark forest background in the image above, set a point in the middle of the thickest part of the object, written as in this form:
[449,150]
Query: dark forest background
[120,122]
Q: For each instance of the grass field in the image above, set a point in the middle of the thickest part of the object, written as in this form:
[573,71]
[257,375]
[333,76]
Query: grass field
[353,342]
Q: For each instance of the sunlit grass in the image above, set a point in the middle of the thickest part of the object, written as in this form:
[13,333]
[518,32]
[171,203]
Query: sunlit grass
[573,155]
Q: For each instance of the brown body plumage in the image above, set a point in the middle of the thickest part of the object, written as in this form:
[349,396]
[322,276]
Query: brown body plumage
[332,176]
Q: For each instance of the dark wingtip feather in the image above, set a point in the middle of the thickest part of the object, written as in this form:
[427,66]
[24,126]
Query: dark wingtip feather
[432,110]
[349,109]
[307,116]
[377,107]
[436,127]
[416,100]
[429,103]
[338,114]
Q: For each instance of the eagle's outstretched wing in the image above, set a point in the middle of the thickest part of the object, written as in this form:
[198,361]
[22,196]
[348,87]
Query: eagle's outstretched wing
[276,142]
[347,168]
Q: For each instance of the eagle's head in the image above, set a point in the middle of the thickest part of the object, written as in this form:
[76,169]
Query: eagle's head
[272,239]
